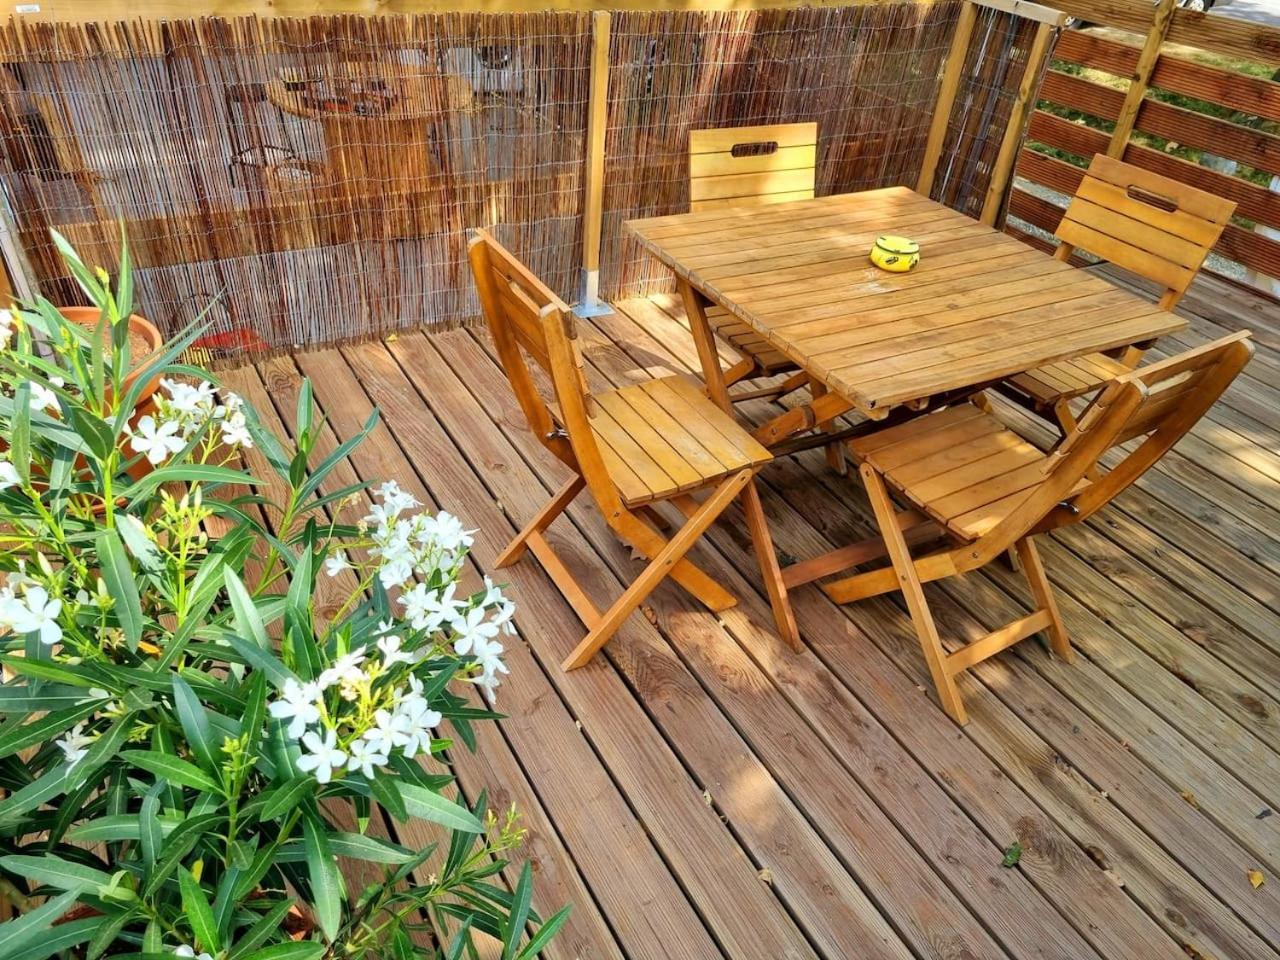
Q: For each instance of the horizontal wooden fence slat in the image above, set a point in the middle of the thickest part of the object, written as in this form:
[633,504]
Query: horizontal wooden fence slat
[1252,95]
[1081,94]
[1208,31]
[1255,148]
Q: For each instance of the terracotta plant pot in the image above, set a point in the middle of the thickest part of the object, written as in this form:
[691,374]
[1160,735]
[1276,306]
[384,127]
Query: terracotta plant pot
[145,341]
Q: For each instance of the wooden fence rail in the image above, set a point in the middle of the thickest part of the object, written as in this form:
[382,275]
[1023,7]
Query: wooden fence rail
[1174,103]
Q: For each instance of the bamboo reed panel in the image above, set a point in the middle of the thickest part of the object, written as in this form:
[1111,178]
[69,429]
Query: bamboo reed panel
[252,185]
[868,75]
[332,211]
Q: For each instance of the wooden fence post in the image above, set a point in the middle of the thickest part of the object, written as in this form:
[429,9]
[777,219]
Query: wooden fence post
[589,304]
[1160,25]
[19,274]
[947,90]
[1015,130]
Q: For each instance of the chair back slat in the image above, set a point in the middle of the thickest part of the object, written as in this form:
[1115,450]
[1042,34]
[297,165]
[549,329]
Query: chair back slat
[747,166]
[1171,397]
[1151,225]
[527,320]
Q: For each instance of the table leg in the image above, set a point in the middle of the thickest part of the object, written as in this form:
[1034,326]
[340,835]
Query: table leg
[695,308]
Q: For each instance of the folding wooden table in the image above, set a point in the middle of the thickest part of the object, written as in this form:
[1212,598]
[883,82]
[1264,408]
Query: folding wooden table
[979,307]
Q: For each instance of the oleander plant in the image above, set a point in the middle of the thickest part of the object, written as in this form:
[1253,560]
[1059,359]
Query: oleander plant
[193,761]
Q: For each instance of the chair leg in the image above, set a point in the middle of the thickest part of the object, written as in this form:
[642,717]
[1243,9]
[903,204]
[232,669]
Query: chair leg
[555,506]
[659,568]
[913,592]
[1042,593]
[835,450]
[783,617]
[685,572]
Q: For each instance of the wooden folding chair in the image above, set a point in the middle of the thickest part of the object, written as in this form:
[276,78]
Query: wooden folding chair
[1155,227]
[631,448]
[967,477]
[744,167]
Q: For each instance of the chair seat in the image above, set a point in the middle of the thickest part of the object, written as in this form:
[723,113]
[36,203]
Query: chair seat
[960,466]
[747,341]
[663,437]
[1068,379]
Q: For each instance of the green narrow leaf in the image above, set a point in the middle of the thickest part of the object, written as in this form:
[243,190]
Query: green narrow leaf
[121,585]
[108,933]
[302,950]
[263,927]
[56,872]
[20,432]
[149,835]
[58,938]
[385,791]
[340,453]
[519,915]
[246,617]
[20,736]
[173,769]
[286,797]
[59,779]
[134,535]
[428,805]
[22,931]
[199,914]
[195,724]
[545,933]
[326,880]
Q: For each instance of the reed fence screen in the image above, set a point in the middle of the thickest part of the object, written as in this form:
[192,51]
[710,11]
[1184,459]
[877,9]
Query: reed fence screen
[308,181]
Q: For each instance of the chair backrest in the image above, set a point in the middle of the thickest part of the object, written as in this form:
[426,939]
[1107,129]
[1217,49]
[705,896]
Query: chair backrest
[527,320]
[1160,401]
[1156,227]
[748,166]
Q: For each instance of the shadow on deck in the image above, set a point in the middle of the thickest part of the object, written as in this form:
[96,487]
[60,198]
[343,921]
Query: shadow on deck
[699,791]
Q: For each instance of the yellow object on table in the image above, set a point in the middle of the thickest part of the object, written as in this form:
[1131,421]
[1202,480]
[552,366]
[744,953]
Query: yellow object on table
[895,254]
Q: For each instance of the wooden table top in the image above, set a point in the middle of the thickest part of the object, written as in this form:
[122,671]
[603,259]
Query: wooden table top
[980,306]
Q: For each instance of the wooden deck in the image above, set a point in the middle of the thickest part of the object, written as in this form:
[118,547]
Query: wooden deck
[698,791]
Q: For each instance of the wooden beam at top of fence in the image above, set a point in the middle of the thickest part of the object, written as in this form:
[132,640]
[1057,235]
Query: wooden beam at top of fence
[1141,78]
[1019,115]
[81,11]
[593,179]
[947,90]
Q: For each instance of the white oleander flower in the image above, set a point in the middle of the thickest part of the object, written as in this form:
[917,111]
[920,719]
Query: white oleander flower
[235,431]
[489,655]
[346,669]
[448,532]
[189,953]
[36,613]
[42,398]
[390,648]
[6,328]
[75,743]
[365,758]
[389,730]
[430,609]
[157,441]
[324,756]
[8,475]
[474,630]
[298,704]
[336,564]
[419,720]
